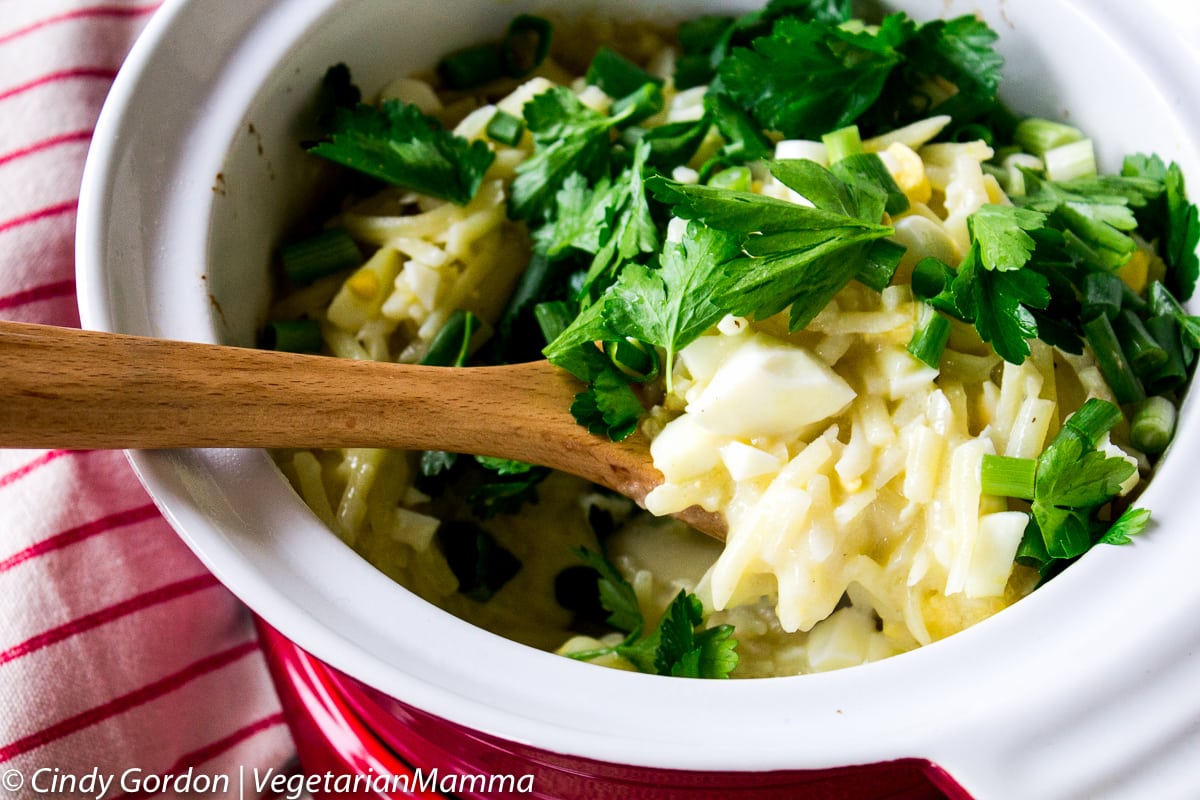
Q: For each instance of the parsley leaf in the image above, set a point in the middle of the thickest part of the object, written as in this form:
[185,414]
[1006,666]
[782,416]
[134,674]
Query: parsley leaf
[866,173]
[1183,234]
[436,462]
[398,144]
[956,52]
[480,563]
[992,288]
[808,78]
[631,231]
[832,11]
[743,212]
[1169,218]
[846,189]
[616,75]
[610,219]
[1072,482]
[504,466]
[1003,235]
[743,137]
[616,595]
[574,349]
[609,406]
[568,138]
[1163,303]
[670,307]
[799,271]
[999,304]
[794,255]
[707,40]
[676,646]
[674,143]
[491,485]
[1141,165]
[509,486]
[712,654]
[1058,324]
[1131,523]
[837,205]
[584,217]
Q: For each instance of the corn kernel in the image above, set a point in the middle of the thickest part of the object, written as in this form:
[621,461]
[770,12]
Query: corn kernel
[1135,270]
[363,283]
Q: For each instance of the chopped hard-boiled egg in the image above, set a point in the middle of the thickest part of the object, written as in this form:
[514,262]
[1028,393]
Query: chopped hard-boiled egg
[765,387]
[908,171]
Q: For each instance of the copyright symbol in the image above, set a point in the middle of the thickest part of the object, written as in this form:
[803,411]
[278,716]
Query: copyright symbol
[12,780]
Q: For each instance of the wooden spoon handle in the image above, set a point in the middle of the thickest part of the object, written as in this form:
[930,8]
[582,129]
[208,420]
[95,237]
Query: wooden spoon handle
[74,389]
[67,388]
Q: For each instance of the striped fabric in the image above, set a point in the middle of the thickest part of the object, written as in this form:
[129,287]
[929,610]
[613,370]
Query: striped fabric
[118,650]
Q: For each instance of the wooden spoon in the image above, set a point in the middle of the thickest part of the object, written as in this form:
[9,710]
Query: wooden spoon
[73,389]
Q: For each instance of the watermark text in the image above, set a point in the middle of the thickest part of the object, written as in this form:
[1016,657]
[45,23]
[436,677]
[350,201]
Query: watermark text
[255,782]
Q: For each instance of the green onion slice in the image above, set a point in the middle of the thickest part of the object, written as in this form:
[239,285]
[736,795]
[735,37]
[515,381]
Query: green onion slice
[292,336]
[471,67]
[930,336]
[1112,361]
[526,44]
[325,253]
[1006,476]
[1153,425]
[506,128]
[452,343]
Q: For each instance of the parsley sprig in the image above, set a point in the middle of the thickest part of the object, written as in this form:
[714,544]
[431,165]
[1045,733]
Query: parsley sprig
[793,255]
[1068,486]
[809,76]
[677,646]
[671,306]
[991,289]
[741,253]
[609,219]
[569,138]
[398,144]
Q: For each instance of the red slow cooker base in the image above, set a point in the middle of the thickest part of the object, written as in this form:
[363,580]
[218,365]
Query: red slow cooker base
[344,729]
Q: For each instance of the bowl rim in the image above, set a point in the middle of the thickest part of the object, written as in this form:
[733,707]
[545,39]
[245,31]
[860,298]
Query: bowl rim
[984,682]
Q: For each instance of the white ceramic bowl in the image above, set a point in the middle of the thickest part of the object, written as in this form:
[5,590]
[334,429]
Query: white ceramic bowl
[1085,689]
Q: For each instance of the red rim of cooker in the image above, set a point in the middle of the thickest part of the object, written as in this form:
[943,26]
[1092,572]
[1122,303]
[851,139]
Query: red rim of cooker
[344,728]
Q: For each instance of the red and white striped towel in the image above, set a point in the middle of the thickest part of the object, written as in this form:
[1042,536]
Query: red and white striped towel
[118,650]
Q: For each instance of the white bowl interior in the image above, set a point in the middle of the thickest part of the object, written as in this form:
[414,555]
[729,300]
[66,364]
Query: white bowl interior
[195,176]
